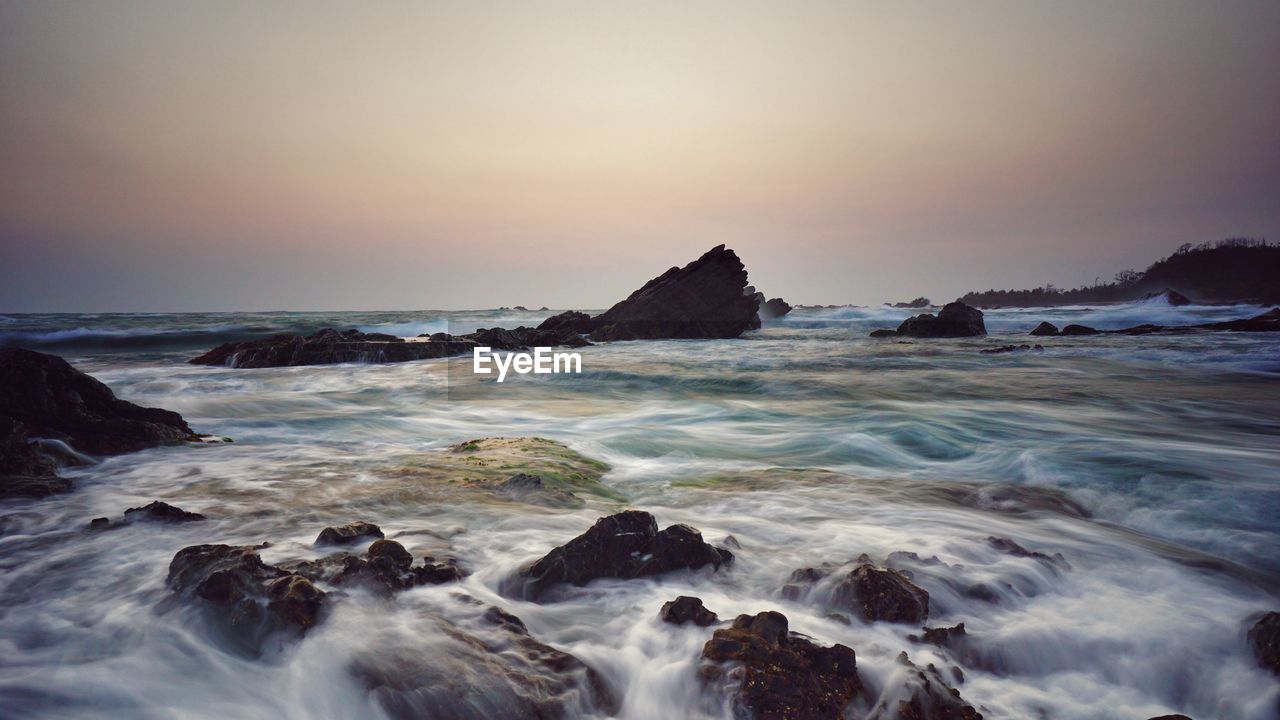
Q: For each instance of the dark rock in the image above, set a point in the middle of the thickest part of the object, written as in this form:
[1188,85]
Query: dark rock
[931,697]
[774,309]
[883,333]
[1264,640]
[1077,330]
[1005,545]
[705,299]
[349,533]
[983,592]
[882,594]
[570,321]
[687,609]
[1045,329]
[777,674]
[43,397]
[1007,349]
[626,545]
[954,320]
[940,636]
[101,523]
[249,595]
[327,347]
[161,512]
[1266,322]
[1171,717]
[920,302]
[386,568]
[801,581]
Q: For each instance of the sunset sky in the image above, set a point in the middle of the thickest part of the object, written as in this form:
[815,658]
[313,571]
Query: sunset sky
[245,155]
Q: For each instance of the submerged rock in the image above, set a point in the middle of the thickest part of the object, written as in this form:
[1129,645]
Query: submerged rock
[161,512]
[774,673]
[940,636]
[1078,330]
[387,568]
[882,594]
[1264,641]
[531,489]
[1045,329]
[44,397]
[1009,547]
[626,545]
[250,596]
[705,299]
[349,533]
[687,609]
[1011,348]
[954,320]
[931,698]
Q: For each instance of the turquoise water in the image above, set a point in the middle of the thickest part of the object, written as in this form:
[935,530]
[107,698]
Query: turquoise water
[1151,463]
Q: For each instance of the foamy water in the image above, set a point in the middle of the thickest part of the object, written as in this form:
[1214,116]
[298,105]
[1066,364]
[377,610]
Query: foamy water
[1151,463]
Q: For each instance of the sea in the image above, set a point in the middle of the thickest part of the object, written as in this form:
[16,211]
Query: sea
[1150,463]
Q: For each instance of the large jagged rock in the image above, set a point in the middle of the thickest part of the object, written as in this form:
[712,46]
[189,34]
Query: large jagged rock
[954,320]
[882,594]
[708,298]
[626,545]
[1264,640]
[250,597]
[774,673]
[44,397]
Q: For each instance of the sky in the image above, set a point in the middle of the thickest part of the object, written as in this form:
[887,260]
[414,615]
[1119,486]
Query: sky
[174,156]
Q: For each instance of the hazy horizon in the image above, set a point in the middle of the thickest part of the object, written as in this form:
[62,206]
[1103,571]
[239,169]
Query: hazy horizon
[228,157]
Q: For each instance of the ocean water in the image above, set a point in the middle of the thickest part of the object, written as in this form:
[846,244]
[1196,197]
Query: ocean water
[1152,464]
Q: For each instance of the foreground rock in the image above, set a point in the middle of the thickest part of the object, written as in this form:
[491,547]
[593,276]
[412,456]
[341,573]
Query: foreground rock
[687,609]
[626,545]
[882,594]
[43,398]
[773,673]
[1264,640]
[494,670]
[954,320]
[708,298]
[249,598]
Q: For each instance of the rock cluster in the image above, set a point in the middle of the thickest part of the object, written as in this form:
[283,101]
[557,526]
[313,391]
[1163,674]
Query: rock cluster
[954,320]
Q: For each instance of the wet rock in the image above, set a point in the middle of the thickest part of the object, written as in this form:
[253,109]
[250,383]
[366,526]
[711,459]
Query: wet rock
[705,299]
[883,333]
[44,397]
[1264,641]
[1045,329]
[1078,330]
[1009,547]
[531,489]
[249,595]
[687,609]
[626,545]
[954,320]
[983,592]
[931,698]
[326,347]
[349,533]
[161,512]
[801,581]
[774,309]
[940,636]
[882,594]
[773,673]
[386,568]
